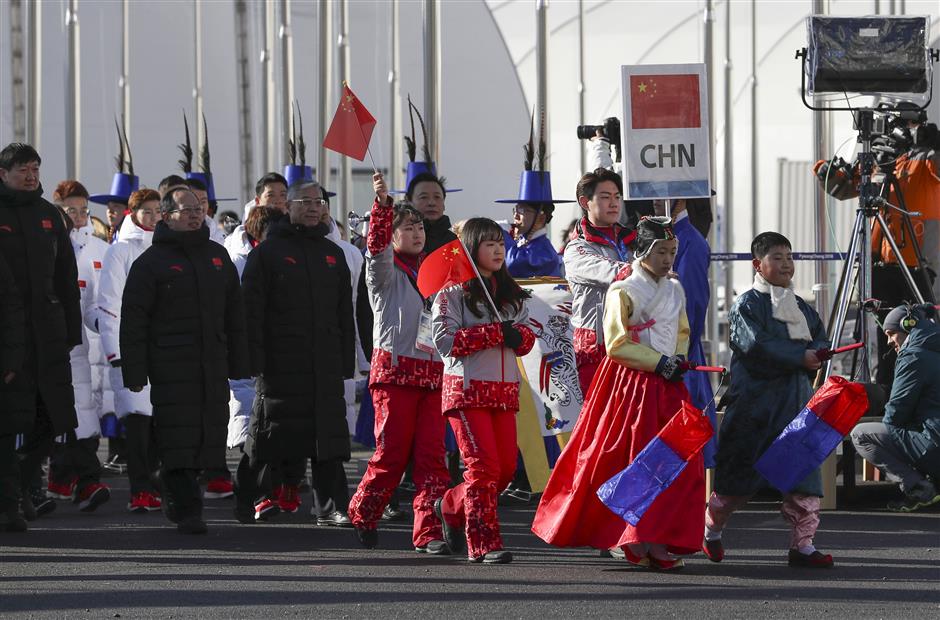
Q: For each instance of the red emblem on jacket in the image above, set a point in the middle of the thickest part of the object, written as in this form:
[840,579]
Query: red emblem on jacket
[290,259]
[47,224]
[178,268]
[96,264]
[330,260]
[81,284]
[6,227]
[216,262]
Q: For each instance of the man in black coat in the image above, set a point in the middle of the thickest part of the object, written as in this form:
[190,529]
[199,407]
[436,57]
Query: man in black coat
[183,328]
[298,299]
[38,402]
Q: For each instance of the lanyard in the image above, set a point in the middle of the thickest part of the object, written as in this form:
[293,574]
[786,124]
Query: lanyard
[618,245]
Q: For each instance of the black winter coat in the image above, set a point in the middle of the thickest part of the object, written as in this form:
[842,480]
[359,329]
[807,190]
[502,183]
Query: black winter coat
[183,328]
[298,300]
[37,249]
[437,233]
[12,345]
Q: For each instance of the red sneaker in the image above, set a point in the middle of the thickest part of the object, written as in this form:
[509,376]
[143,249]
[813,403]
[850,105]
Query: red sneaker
[713,550]
[61,490]
[219,488]
[266,509]
[92,496]
[813,560]
[145,501]
[288,498]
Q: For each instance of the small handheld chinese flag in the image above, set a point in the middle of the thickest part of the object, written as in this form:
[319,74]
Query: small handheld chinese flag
[813,434]
[447,265]
[631,492]
[352,126]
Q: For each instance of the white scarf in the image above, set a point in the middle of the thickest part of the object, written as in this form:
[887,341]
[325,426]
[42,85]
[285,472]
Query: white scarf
[785,308]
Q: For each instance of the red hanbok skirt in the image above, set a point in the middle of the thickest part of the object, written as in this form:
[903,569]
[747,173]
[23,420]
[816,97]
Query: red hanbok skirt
[625,410]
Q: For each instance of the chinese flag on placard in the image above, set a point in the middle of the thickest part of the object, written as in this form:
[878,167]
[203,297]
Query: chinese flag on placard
[447,265]
[665,101]
[351,129]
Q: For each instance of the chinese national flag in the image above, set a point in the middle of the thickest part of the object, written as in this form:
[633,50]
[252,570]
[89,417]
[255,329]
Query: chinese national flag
[665,101]
[447,265]
[351,128]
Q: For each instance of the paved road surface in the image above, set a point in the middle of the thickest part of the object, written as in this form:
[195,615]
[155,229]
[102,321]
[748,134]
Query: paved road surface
[112,564]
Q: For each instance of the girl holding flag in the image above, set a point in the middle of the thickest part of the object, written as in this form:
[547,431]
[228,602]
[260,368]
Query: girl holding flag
[478,326]
[405,379]
[638,389]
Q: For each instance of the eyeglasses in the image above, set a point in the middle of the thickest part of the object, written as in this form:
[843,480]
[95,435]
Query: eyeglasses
[74,211]
[523,210]
[310,202]
[190,210]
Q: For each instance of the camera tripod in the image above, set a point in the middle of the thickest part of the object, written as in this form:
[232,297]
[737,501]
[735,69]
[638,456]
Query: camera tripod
[869,211]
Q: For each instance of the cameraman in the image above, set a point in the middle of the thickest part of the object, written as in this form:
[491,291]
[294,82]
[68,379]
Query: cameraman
[912,147]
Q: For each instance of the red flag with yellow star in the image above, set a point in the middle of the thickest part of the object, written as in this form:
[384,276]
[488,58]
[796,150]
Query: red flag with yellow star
[665,101]
[445,266]
[351,129]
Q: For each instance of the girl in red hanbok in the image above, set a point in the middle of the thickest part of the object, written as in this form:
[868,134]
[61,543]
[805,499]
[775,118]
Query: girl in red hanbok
[638,388]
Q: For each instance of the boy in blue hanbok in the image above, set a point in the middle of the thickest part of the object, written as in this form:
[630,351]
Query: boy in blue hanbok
[774,339]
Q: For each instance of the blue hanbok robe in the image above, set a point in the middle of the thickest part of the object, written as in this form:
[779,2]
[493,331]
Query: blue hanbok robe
[533,258]
[692,259]
[769,388]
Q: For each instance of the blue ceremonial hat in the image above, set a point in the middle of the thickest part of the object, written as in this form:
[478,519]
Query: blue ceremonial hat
[414,169]
[302,174]
[122,186]
[206,179]
[535,187]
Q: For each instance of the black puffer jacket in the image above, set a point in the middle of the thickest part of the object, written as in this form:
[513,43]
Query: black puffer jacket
[183,328]
[37,249]
[12,346]
[437,233]
[299,304]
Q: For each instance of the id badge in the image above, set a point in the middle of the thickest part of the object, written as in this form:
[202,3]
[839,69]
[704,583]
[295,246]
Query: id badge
[424,342]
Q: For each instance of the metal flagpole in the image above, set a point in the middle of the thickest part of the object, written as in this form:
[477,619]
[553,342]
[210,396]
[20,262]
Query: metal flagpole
[18,71]
[754,151]
[541,66]
[708,53]
[73,111]
[243,78]
[324,87]
[197,75]
[268,143]
[124,82]
[286,89]
[342,62]
[394,155]
[728,221]
[432,85]
[581,87]
[34,81]
[822,139]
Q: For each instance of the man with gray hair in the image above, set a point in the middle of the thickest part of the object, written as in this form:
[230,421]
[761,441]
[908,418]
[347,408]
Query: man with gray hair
[298,297]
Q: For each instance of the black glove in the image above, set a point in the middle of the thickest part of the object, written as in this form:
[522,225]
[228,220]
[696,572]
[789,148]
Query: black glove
[670,368]
[512,338]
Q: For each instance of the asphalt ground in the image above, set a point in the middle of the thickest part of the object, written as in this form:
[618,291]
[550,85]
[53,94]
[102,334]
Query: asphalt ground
[112,564]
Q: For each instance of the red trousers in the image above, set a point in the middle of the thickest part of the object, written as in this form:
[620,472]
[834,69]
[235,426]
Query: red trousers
[487,441]
[586,372]
[408,426]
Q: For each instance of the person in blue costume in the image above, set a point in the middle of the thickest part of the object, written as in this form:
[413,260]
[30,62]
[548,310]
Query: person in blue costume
[529,251]
[774,339]
[692,260]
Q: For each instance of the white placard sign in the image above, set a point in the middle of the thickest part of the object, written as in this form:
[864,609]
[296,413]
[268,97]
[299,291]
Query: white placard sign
[665,131]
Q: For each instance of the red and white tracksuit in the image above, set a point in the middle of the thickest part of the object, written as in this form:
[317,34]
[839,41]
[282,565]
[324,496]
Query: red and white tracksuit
[406,391]
[480,398]
[596,258]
